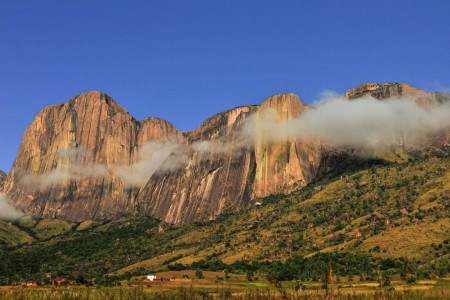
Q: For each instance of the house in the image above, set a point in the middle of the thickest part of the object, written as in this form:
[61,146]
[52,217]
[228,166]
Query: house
[59,281]
[151,277]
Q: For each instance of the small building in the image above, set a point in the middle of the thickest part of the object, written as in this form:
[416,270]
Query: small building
[151,277]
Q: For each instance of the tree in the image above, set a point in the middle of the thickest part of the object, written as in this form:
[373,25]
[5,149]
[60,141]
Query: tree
[250,275]
[199,273]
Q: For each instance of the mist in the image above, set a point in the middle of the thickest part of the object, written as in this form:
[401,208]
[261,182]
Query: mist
[365,123]
[7,211]
[70,167]
[152,157]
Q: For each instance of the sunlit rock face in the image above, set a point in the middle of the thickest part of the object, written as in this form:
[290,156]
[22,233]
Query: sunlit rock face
[64,165]
[230,161]
[282,164]
[396,90]
[215,176]
[90,159]
[87,159]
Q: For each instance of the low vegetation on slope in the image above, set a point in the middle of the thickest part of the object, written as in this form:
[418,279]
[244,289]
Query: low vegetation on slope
[390,215]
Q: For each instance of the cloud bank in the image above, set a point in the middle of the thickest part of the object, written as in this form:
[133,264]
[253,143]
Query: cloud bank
[70,167]
[7,211]
[365,123]
[153,157]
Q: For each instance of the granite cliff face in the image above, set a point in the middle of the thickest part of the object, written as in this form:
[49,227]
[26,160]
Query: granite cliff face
[79,161]
[216,175]
[287,164]
[63,167]
[90,159]
[395,90]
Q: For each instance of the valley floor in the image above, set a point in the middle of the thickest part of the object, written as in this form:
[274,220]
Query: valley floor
[183,285]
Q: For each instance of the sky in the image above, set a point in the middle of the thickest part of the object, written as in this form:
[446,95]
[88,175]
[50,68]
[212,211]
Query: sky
[185,61]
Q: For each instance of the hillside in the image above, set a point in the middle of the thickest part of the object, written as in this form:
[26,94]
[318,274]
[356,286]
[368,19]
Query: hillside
[395,207]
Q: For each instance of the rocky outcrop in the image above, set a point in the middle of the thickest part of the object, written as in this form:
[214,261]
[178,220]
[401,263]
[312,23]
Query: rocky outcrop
[216,175]
[286,164]
[395,90]
[64,165]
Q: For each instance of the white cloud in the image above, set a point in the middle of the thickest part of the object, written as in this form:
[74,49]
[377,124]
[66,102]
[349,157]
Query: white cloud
[153,157]
[7,211]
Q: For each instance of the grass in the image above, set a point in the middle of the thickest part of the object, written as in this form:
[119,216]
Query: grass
[12,235]
[324,216]
[142,292]
[48,228]
[85,225]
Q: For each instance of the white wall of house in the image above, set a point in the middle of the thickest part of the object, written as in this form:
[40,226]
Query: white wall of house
[151,277]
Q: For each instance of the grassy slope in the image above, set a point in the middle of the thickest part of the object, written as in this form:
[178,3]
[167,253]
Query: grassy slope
[398,209]
[12,235]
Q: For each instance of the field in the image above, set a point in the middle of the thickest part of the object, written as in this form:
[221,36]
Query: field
[217,285]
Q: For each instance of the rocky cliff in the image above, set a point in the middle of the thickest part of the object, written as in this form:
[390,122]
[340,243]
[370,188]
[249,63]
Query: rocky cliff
[395,90]
[216,174]
[283,165]
[90,159]
[64,167]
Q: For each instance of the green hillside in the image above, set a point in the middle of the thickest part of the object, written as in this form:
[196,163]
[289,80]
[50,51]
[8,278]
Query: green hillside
[390,213]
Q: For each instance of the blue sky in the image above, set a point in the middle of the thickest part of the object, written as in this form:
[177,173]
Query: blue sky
[187,60]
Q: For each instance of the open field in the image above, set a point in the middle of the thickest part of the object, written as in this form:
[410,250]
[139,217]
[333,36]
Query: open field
[217,285]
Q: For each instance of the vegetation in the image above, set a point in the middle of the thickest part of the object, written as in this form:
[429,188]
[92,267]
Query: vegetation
[373,220]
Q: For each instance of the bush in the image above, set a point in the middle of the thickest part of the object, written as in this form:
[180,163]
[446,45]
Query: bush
[199,273]
[411,279]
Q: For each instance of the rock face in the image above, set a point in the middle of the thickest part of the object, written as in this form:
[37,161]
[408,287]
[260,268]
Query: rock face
[393,90]
[85,160]
[216,175]
[90,159]
[287,164]
[63,167]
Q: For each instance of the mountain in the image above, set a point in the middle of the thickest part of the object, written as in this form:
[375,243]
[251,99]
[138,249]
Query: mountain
[389,209]
[63,167]
[232,168]
[89,159]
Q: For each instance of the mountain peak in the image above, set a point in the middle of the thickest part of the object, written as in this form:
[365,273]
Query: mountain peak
[94,97]
[286,105]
